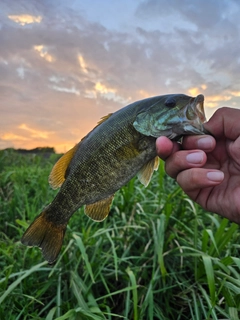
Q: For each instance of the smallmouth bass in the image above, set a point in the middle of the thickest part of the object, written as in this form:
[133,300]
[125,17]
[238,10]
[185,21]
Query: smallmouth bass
[119,147]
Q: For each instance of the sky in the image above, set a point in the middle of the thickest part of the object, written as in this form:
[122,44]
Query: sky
[66,64]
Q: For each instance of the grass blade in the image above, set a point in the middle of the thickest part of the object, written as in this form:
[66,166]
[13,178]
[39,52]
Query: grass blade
[210,277]
[84,255]
[134,291]
[20,279]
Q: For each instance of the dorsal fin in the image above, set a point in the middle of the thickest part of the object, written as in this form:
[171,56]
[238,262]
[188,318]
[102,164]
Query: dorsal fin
[104,118]
[57,175]
[99,211]
[145,174]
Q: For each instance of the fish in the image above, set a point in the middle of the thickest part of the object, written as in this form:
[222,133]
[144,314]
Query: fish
[121,146]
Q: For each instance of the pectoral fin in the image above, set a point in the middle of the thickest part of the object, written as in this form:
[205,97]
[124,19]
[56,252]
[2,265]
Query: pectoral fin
[58,173]
[145,174]
[99,211]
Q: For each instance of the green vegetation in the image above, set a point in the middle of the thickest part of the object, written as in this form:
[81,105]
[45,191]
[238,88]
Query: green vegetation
[157,255]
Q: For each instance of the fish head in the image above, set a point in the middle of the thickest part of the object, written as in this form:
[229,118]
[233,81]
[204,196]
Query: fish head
[173,116]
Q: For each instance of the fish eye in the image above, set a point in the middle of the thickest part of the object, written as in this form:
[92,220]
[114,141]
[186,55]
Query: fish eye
[170,102]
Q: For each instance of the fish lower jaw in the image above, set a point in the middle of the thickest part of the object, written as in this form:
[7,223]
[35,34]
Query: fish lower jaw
[190,129]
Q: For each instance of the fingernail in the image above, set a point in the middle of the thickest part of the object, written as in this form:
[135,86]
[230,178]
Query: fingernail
[216,176]
[195,157]
[205,143]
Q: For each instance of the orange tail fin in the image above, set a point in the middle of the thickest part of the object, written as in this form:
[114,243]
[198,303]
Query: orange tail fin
[46,235]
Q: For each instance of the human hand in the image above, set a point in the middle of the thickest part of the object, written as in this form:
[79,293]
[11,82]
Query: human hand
[208,167]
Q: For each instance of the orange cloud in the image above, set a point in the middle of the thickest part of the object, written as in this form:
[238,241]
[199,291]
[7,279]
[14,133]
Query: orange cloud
[82,63]
[219,98]
[144,94]
[108,93]
[29,142]
[195,90]
[13,137]
[213,101]
[21,142]
[101,88]
[25,19]
[43,53]
[235,93]
[204,86]
[35,133]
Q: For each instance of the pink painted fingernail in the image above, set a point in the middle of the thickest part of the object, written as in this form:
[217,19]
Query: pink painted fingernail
[216,176]
[195,157]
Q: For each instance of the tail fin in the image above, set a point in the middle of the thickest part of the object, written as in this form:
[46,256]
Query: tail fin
[46,235]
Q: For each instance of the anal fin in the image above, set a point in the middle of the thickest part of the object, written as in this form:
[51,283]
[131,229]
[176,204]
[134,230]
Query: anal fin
[145,174]
[99,210]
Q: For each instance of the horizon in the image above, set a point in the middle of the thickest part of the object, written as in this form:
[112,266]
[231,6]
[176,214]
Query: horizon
[65,65]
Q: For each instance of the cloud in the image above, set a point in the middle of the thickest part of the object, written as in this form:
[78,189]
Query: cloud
[235,93]
[68,90]
[25,19]
[43,52]
[60,74]
[35,133]
[82,64]
[13,137]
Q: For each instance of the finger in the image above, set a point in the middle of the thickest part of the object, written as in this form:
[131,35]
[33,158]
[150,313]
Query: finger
[204,142]
[234,150]
[183,160]
[224,122]
[165,147]
[197,178]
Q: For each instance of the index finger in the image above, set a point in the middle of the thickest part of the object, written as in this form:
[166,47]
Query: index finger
[165,147]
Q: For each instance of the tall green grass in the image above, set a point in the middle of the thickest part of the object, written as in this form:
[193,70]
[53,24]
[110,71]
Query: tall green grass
[157,256]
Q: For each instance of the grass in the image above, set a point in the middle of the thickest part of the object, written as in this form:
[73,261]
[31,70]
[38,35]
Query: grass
[157,256]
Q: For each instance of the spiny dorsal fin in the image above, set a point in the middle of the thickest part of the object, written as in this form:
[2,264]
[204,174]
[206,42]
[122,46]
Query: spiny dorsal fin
[104,118]
[57,175]
[145,174]
[99,211]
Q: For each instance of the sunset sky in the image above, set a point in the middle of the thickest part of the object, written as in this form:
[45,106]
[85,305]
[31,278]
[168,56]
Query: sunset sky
[65,64]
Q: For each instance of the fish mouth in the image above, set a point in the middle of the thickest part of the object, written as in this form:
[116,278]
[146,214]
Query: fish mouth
[195,114]
[199,101]
[195,109]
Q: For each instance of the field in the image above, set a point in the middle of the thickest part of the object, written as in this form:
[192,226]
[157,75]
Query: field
[157,256]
